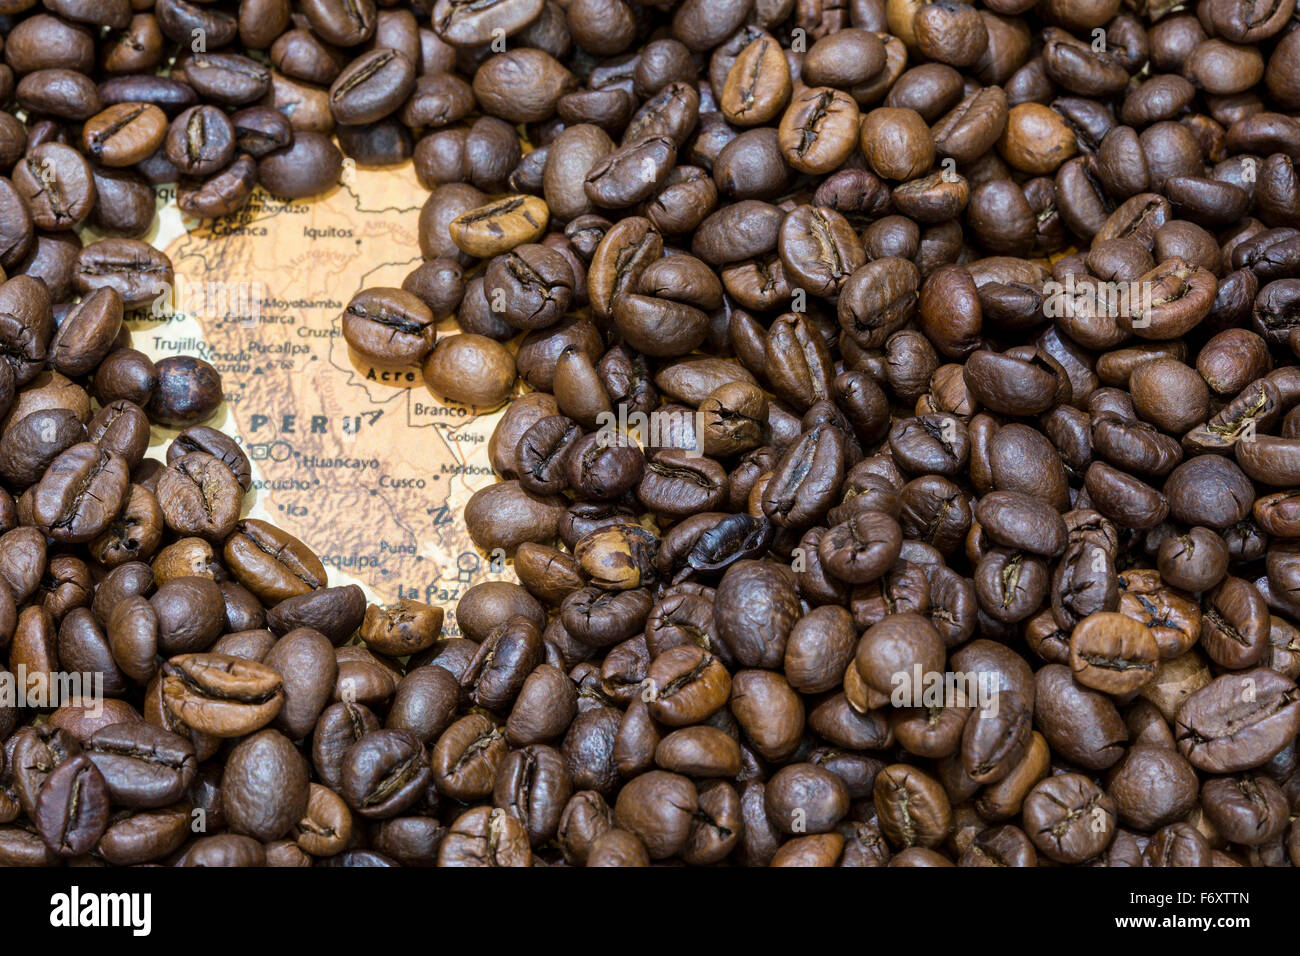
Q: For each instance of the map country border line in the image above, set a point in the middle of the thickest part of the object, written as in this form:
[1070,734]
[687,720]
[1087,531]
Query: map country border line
[337,321]
[442,428]
[192,226]
[347,187]
[396,510]
[189,226]
[428,549]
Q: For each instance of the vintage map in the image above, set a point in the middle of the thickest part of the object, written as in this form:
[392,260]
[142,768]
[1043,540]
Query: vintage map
[362,464]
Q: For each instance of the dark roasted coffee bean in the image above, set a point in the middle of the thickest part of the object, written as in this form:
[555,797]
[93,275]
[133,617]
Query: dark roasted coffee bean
[309,165]
[1220,730]
[72,810]
[1069,818]
[80,493]
[372,87]
[138,273]
[200,141]
[143,766]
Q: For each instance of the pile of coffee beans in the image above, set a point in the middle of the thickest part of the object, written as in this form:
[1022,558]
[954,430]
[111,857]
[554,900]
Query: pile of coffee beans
[907,472]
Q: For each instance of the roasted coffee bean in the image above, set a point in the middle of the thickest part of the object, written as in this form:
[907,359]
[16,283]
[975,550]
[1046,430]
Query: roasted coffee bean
[1112,653]
[912,807]
[1077,720]
[818,129]
[143,766]
[72,810]
[1221,730]
[80,493]
[758,83]
[198,495]
[466,757]
[498,227]
[135,533]
[200,141]
[260,130]
[389,326]
[187,391]
[136,271]
[306,662]
[522,86]
[861,549]
[124,134]
[189,611]
[309,165]
[470,368]
[530,287]
[384,773]
[220,695]
[342,23]
[372,87]
[29,445]
[201,438]
[264,787]
[1015,520]
[1069,818]
[680,483]
[1194,561]
[630,173]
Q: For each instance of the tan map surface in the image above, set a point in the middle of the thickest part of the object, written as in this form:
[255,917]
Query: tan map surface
[363,464]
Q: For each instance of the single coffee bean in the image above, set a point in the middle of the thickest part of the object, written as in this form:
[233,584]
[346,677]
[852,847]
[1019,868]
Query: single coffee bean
[73,807]
[200,496]
[220,695]
[124,134]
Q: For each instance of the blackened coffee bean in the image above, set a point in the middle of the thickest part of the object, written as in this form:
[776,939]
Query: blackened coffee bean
[187,392]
